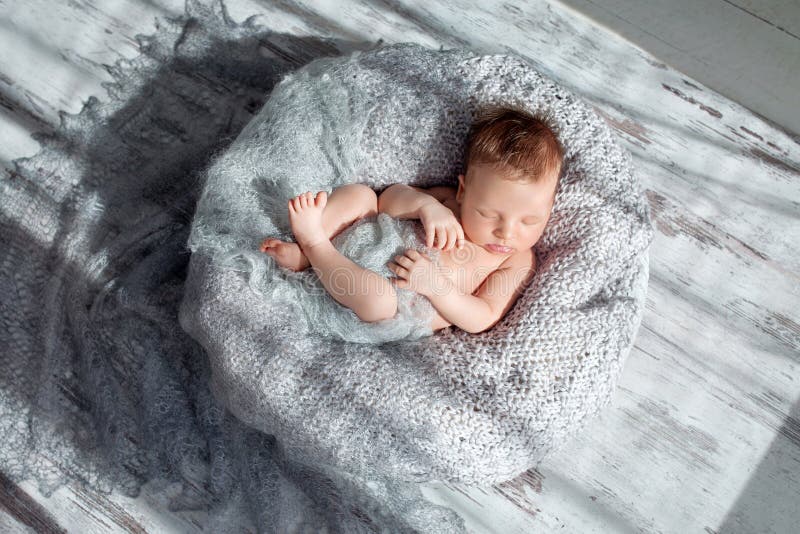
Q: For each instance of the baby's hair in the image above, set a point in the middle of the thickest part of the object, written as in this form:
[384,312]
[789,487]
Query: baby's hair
[513,138]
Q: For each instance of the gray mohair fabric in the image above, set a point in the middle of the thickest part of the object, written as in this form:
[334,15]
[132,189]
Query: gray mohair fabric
[388,400]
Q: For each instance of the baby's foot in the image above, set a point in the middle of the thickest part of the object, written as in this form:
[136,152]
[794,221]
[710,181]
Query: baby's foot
[305,216]
[286,254]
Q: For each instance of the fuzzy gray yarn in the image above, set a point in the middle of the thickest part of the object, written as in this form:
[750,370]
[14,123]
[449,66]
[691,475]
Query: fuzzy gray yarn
[452,406]
[99,385]
[370,242]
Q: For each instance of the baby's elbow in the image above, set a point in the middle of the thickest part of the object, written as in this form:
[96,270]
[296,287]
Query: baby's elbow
[485,327]
[482,330]
[381,202]
[387,197]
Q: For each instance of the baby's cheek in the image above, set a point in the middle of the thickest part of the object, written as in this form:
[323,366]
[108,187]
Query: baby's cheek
[538,235]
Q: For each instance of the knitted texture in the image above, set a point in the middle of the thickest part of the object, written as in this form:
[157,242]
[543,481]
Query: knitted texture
[473,408]
[99,385]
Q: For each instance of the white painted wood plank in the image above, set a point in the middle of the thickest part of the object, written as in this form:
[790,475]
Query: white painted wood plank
[9,525]
[74,508]
[700,432]
[726,44]
[60,50]
[57,62]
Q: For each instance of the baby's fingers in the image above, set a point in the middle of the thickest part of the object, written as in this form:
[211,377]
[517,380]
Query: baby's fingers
[451,239]
[441,237]
[459,238]
[430,234]
[434,237]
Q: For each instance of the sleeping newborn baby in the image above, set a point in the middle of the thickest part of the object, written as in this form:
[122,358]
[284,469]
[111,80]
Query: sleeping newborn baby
[485,229]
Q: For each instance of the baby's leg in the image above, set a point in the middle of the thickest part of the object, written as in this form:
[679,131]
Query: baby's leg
[371,296]
[346,204]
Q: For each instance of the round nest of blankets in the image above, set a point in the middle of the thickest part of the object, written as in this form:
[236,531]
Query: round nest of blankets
[389,398]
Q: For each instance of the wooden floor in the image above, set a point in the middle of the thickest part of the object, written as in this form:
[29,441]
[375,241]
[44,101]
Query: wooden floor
[704,431]
[747,50]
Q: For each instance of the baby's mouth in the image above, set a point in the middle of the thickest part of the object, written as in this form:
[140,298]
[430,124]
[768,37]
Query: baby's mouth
[498,248]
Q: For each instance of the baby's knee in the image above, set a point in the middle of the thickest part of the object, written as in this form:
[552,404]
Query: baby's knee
[378,309]
[363,196]
[373,316]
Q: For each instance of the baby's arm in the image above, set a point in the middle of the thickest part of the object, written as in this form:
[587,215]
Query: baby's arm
[492,300]
[402,201]
[442,228]
[468,312]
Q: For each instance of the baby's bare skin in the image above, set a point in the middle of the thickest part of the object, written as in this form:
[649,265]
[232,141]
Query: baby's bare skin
[314,220]
[475,283]
[502,218]
[344,206]
[466,267]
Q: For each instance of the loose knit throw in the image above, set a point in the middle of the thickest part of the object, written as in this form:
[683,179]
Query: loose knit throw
[472,408]
[99,385]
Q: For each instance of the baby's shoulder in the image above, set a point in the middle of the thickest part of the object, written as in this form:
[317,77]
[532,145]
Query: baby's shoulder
[442,193]
[521,260]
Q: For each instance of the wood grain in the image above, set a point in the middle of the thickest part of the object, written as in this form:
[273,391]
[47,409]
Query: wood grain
[747,50]
[25,509]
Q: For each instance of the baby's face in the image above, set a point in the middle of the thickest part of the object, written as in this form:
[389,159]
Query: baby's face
[495,211]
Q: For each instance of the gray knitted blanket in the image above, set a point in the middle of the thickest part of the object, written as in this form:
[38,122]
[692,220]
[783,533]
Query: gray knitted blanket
[454,406]
[99,383]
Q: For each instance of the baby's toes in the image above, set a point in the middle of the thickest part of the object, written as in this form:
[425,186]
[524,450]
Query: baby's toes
[270,243]
[321,199]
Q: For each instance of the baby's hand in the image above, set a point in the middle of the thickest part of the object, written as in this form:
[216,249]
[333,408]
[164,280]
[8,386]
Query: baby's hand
[416,272]
[441,225]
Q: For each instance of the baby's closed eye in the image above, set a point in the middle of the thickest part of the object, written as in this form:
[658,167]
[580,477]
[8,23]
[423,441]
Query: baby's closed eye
[526,222]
